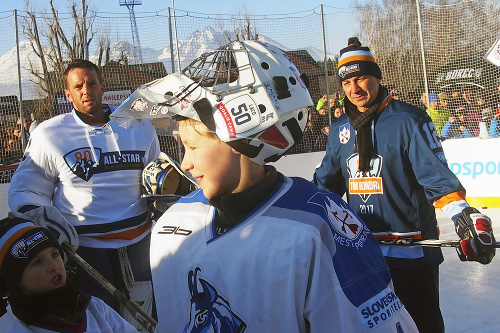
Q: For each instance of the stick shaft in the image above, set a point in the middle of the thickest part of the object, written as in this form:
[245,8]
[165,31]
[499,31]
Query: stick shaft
[141,316]
[427,242]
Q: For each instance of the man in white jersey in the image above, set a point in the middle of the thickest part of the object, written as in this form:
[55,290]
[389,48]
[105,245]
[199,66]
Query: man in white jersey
[89,167]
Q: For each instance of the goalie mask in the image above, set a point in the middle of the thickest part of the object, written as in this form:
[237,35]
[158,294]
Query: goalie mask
[164,177]
[247,92]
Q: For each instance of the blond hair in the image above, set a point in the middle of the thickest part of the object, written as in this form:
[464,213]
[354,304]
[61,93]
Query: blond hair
[198,126]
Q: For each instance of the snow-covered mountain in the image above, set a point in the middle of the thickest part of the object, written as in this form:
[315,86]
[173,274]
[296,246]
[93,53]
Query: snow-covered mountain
[198,43]
[9,73]
[189,49]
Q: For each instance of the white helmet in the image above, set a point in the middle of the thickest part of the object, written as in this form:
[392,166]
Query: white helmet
[247,92]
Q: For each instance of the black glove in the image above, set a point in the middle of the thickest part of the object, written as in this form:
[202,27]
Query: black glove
[476,236]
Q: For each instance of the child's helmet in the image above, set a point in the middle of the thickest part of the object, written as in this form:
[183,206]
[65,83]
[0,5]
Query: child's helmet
[247,92]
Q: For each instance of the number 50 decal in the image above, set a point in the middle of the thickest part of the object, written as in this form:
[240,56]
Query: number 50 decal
[242,115]
[430,131]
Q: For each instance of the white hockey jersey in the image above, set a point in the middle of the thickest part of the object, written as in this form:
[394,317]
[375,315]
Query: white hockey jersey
[92,174]
[301,261]
[99,318]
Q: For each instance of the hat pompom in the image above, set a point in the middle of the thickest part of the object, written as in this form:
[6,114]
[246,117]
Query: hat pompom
[353,41]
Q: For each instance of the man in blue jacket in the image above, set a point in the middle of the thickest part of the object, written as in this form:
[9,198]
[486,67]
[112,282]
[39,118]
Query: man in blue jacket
[385,156]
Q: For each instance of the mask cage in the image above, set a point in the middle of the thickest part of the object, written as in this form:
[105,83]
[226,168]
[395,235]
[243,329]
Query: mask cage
[219,71]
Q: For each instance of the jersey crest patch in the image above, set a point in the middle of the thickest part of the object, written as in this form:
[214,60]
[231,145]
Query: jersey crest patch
[365,183]
[209,311]
[81,161]
[345,133]
[349,230]
[82,164]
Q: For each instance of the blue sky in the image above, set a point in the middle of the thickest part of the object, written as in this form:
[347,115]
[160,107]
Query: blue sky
[254,7]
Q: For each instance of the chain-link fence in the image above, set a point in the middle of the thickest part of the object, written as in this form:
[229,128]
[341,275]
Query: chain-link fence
[430,56]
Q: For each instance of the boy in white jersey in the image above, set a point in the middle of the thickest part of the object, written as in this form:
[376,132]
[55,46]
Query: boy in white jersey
[253,250]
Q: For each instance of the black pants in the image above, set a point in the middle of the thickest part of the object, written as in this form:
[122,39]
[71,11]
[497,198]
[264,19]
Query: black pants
[418,290]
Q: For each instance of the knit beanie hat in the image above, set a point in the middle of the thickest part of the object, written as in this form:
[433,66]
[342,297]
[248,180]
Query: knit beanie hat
[433,97]
[357,60]
[20,242]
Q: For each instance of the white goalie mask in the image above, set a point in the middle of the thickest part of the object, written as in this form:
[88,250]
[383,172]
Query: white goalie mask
[247,92]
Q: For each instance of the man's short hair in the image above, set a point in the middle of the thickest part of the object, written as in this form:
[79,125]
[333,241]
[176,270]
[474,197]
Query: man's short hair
[81,63]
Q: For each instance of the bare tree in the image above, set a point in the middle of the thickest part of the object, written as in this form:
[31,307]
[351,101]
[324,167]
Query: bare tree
[242,27]
[450,32]
[55,46]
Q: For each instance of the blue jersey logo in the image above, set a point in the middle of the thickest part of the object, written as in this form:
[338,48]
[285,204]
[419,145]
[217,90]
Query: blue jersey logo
[209,311]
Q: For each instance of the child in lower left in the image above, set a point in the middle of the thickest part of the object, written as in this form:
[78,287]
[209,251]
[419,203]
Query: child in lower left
[43,296]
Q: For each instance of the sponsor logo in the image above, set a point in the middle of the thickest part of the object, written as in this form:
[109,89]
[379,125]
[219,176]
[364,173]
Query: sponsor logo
[345,133]
[21,248]
[272,95]
[228,120]
[139,105]
[461,73]
[372,185]
[184,102]
[154,110]
[82,164]
[173,230]
[379,309]
[365,183]
[348,69]
[476,168]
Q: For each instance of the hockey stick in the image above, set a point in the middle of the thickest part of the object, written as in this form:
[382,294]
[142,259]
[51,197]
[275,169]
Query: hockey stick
[143,318]
[426,242]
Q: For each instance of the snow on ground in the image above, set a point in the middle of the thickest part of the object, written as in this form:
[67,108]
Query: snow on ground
[469,291]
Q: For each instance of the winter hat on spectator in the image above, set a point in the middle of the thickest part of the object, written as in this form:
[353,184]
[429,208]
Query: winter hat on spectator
[433,97]
[20,242]
[443,96]
[460,111]
[357,60]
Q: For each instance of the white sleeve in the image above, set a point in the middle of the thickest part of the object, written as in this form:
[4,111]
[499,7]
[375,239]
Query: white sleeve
[35,179]
[102,316]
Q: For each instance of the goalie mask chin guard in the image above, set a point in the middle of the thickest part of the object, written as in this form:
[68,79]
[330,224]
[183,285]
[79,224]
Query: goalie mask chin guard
[248,93]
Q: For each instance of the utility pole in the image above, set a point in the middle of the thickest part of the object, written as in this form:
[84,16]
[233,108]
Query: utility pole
[135,32]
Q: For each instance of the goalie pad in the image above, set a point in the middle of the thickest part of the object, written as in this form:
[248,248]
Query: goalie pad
[142,294]
[49,217]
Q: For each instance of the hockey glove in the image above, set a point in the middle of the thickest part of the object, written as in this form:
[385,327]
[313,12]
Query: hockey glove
[49,217]
[476,236]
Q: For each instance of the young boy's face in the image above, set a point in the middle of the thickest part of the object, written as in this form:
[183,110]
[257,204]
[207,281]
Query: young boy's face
[44,273]
[214,164]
